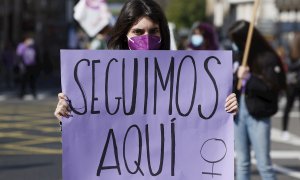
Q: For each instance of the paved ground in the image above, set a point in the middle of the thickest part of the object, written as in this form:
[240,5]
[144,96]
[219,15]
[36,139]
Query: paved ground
[285,152]
[30,147]
[30,144]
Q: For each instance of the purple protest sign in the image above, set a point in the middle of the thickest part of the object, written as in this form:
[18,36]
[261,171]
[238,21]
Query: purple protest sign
[147,115]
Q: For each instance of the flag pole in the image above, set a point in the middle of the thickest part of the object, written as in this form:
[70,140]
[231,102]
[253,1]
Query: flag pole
[249,39]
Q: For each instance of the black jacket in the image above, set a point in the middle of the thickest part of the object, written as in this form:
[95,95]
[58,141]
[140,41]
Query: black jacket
[263,87]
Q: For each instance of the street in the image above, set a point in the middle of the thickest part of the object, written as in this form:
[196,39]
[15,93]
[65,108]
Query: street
[30,142]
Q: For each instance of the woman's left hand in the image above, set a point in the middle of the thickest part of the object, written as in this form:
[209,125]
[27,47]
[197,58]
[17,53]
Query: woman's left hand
[231,105]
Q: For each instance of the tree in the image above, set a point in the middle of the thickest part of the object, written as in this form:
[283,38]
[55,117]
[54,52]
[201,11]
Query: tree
[163,3]
[185,12]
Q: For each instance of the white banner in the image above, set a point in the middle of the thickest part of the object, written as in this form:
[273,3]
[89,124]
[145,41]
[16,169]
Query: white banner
[92,15]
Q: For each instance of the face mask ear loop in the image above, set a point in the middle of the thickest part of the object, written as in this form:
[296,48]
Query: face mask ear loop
[129,40]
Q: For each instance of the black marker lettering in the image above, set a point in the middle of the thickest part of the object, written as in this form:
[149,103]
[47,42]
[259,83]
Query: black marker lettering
[138,162]
[194,88]
[164,84]
[173,145]
[134,88]
[106,90]
[117,166]
[93,88]
[80,87]
[215,86]
[146,86]
[161,152]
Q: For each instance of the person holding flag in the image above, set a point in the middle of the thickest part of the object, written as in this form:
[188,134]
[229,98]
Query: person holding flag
[262,79]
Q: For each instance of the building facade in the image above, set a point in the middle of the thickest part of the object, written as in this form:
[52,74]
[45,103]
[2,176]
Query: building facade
[267,16]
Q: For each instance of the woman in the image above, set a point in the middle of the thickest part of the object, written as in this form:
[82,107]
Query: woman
[262,79]
[141,25]
[203,37]
[293,84]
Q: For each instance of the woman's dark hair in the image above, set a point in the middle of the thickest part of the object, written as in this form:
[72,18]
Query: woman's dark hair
[238,34]
[132,11]
[262,57]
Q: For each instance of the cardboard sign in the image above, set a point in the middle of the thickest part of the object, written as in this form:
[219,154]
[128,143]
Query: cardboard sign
[147,115]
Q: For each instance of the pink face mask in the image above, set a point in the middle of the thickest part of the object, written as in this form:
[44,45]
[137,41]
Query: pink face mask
[144,42]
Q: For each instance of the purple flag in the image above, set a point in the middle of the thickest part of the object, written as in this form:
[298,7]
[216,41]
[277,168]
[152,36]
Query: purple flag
[147,115]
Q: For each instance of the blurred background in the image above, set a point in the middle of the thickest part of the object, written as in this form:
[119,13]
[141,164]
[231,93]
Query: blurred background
[52,26]
[30,146]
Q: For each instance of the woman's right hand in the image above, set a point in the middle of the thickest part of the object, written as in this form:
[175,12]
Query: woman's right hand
[62,108]
[243,72]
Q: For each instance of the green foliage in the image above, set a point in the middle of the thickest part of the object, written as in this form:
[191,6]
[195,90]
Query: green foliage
[185,12]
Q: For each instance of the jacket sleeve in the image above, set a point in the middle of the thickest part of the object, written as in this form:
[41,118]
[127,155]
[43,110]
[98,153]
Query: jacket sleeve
[272,71]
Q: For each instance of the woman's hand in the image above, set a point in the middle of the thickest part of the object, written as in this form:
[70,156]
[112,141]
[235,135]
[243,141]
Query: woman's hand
[243,72]
[231,105]
[63,108]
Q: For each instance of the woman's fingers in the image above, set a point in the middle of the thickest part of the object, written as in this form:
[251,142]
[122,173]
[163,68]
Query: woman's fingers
[243,71]
[232,107]
[230,99]
[57,114]
[63,103]
[231,104]
[62,108]
[61,96]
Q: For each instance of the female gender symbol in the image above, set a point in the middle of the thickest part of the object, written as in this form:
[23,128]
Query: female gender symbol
[208,146]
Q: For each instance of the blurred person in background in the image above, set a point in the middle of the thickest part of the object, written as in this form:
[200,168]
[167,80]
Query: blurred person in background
[101,39]
[293,82]
[82,39]
[203,37]
[8,60]
[262,80]
[27,57]
[282,53]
